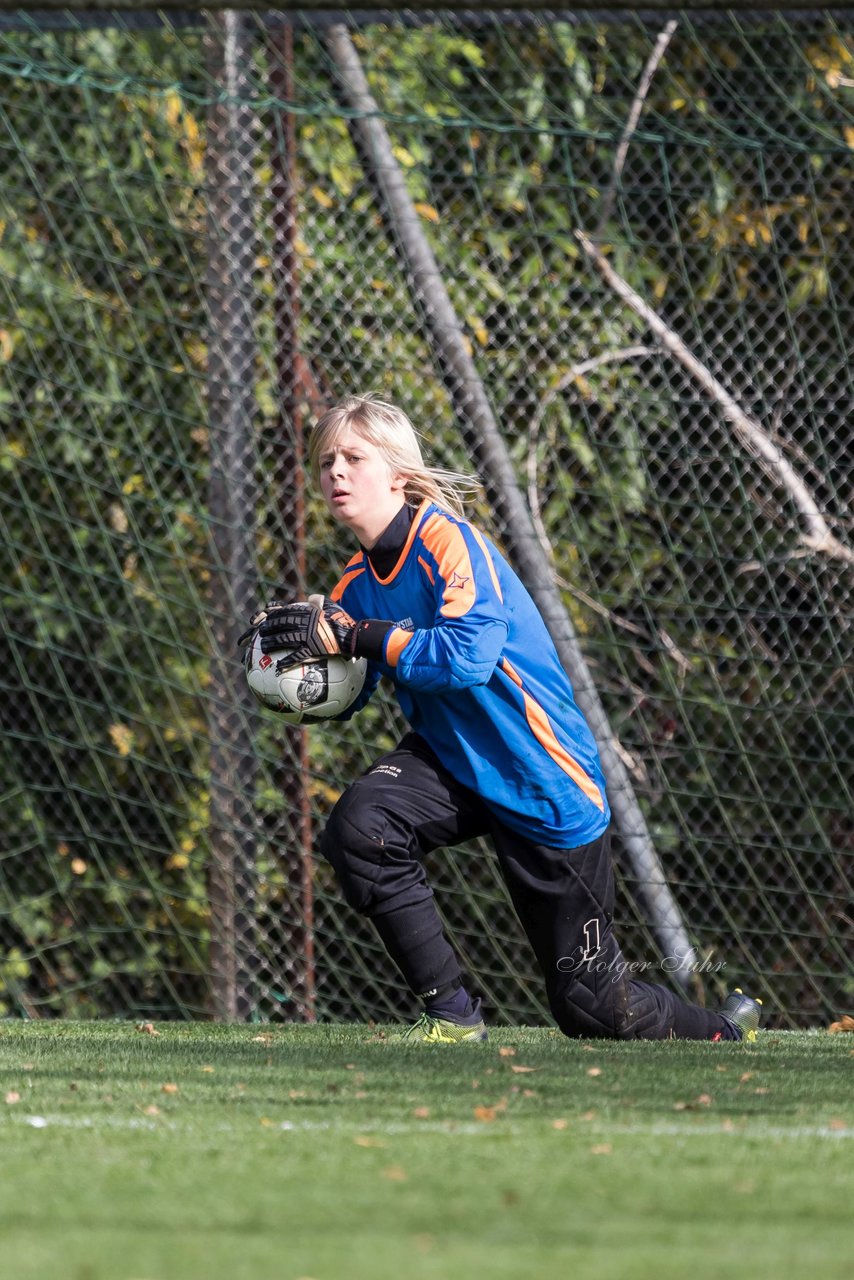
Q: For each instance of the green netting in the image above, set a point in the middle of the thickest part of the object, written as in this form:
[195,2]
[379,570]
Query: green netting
[194,259]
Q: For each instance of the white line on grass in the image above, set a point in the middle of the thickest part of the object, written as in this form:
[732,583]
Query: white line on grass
[448,1128]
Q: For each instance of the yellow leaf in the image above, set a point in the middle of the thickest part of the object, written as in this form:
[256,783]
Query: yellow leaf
[169,1088]
[6,345]
[78,866]
[849,136]
[324,200]
[177,862]
[133,484]
[427,211]
[172,107]
[122,738]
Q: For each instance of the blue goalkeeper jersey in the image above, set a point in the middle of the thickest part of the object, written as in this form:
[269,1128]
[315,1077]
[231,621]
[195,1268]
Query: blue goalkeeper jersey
[478,677]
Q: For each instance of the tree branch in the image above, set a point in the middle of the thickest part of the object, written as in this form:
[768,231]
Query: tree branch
[658,52]
[818,536]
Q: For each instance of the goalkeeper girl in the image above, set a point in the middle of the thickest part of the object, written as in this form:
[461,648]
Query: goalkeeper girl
[497,746]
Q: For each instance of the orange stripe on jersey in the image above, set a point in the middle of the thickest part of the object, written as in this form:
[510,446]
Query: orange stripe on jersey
[397,641]
[425,566]
[352,570]
[545,735]
[445,541]
[485,549]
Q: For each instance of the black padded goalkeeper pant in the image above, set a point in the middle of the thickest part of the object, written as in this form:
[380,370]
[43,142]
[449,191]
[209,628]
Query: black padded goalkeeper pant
[408,804]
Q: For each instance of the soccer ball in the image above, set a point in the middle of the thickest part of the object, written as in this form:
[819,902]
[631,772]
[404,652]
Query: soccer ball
[314,689]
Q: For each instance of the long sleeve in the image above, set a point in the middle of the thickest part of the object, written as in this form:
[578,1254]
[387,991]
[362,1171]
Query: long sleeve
[463,645]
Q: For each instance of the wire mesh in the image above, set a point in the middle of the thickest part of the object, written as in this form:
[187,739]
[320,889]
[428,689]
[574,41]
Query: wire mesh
[159,241]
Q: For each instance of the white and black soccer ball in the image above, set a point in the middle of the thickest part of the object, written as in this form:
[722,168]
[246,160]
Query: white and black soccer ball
[314,689]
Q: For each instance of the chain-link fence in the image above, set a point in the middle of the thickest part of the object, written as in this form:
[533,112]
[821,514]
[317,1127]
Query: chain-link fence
[643,229]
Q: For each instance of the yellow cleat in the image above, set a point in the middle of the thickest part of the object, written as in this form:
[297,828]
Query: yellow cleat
[430,1029]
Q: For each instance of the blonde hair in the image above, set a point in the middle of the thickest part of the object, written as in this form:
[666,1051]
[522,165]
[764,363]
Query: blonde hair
[389,430]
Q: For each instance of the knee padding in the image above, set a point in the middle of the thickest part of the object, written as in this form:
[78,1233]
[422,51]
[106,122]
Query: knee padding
[355,854]
[598,1000]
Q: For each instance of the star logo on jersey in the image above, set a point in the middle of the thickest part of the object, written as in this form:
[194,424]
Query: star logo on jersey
[457,580]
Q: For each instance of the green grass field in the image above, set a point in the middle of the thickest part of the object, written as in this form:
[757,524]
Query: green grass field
[327,1152]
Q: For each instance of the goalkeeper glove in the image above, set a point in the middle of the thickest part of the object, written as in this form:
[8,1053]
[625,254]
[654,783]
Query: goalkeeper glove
[316,628]
[365,639]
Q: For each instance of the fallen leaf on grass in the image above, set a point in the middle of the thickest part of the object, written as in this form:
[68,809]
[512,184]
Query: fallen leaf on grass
[506,1052]
[594,1071]
[485,1114]
[421,1113]
[169,1088]
[265,1038]
[208,1069]
[151,1111]
[702,1100]
[845,1023]
[147,1028]
[522,1070]
[488,1114]
[394,1173]
[12,1097]
[364,1140]
[560,1123]
[837,1125]
[601,1149]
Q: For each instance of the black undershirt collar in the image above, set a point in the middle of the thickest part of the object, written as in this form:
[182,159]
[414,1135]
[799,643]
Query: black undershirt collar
[385,552]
